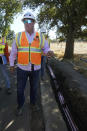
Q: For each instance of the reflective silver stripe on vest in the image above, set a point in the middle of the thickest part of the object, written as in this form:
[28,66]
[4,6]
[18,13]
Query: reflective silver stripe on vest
[27,50]
[2,44]
[18,38]
[23,49]
[35,50]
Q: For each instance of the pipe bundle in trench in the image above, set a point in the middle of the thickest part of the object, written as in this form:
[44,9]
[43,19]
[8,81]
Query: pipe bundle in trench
[74,87]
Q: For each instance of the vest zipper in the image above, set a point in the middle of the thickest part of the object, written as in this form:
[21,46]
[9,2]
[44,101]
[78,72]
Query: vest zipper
[29,52]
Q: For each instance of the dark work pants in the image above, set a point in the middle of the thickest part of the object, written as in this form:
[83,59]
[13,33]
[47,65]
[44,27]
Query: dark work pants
[34,79]
[43,65]
[4,72]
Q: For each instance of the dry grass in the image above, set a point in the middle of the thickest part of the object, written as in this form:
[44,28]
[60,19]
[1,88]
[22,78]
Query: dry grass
[80,52]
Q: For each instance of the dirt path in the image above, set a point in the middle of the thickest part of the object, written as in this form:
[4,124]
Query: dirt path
[30,121]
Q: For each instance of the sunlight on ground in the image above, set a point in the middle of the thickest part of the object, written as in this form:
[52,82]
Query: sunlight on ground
[9,124]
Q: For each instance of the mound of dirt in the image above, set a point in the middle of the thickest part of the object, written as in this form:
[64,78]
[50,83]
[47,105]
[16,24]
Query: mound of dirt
[74,87]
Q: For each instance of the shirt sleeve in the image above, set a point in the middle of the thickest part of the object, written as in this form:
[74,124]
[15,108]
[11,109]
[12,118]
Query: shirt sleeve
[13,54]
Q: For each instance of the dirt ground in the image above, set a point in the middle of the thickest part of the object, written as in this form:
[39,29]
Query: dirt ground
[79,47]
[79,62]
[30,120]
[73,86]
[80,51]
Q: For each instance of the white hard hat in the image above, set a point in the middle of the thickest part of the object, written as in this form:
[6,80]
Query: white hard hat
[43,30]
[28,15]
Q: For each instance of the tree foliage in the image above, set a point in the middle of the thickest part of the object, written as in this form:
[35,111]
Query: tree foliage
[64,14]
[11,35]
[67,15]
[8,8]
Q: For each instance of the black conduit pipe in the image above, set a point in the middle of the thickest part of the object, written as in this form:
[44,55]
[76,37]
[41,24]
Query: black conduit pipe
[63,104]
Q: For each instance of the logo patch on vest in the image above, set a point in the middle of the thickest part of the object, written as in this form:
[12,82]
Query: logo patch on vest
[36,38]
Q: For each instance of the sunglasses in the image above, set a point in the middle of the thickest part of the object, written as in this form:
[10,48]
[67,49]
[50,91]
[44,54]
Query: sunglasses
[28,21]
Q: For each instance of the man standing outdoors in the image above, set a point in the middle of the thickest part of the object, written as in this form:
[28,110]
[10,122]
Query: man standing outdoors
[27,47]
[4,59]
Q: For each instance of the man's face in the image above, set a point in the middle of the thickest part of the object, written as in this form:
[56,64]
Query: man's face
[29,24]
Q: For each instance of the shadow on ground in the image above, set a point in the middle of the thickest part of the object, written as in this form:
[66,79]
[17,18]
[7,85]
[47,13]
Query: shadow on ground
[30,121]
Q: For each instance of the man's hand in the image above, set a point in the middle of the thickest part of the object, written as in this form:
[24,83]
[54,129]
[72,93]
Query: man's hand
[50,54]
[11,69]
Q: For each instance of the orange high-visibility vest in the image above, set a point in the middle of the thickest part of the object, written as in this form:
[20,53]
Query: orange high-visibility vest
[29,52]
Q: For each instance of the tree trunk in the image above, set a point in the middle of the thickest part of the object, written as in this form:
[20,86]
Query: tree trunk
[69,49]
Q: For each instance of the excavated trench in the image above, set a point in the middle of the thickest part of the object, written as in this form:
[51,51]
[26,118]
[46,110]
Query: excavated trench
[71,84]
[73,87]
